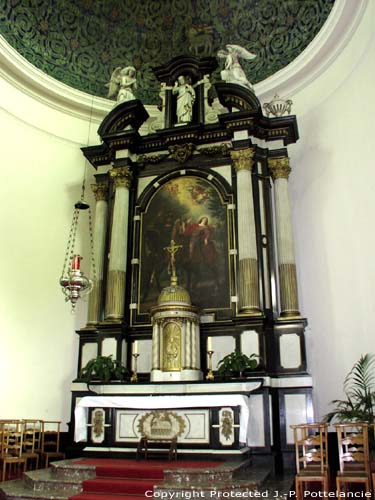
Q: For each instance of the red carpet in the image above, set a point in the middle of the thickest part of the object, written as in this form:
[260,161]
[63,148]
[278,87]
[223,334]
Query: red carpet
[129,479]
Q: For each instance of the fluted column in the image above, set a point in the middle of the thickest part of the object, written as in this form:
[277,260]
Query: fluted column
[100,191]
[247,247]
[280,170]
[115,298]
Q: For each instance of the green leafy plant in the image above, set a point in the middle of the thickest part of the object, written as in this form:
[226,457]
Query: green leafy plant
[103,369]
[359,388]
[237,362]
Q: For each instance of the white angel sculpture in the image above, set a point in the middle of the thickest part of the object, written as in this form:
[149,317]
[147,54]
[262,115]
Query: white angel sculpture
[123,83]
[233,72]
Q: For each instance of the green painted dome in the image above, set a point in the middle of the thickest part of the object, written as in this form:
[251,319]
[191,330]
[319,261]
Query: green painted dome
[81,42]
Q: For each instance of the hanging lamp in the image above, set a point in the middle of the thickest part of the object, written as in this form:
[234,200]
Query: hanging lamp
[74,284]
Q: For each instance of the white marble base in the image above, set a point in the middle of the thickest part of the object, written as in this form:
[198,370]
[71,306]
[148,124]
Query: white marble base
[190,425]
[182,376]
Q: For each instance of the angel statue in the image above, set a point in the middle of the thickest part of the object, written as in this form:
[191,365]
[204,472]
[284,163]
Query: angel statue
[123,83]
[233,72]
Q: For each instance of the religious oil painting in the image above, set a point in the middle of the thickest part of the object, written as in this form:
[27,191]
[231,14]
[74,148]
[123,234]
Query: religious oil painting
[190,211]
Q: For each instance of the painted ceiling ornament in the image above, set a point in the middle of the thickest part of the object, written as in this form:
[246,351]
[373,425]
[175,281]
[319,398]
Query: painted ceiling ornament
[278,106]
[122,84]
[200,39]
[233,71]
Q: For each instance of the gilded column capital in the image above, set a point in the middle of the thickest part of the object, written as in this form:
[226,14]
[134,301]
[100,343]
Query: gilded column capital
[121,176]
[279,167]
[100,191]
[243,159]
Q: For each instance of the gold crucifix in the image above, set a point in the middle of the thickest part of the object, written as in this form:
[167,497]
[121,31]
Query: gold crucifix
[172,250]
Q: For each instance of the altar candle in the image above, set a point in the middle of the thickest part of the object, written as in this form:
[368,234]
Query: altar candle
[209,343]
[76,261]
[135,347]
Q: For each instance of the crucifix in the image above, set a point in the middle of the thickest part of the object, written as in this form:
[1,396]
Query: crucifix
[172,250]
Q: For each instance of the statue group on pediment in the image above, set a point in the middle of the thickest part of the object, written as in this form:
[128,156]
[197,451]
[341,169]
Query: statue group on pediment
[123,83]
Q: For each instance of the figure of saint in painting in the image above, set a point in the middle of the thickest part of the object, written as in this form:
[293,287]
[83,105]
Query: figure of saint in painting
[185,99]
[202,253]
[123,83]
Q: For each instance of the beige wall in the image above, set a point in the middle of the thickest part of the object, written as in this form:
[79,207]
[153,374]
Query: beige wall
[41,179]
[332,194]
[333,197]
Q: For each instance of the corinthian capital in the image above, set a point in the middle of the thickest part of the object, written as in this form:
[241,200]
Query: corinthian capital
[243,159]
[279,167]
[100,191]
[121,176]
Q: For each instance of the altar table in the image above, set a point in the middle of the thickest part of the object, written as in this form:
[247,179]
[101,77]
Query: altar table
[161,402]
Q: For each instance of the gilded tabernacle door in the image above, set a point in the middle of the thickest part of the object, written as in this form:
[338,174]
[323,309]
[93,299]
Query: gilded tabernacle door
[193,212]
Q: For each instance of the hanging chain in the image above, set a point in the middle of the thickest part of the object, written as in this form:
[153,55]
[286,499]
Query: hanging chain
[93,266]
[88,141]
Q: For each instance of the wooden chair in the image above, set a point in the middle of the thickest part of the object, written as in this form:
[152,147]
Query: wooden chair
[11,434]
[31,441]
[147,446]
[50,441]
[354,457]
[311,448]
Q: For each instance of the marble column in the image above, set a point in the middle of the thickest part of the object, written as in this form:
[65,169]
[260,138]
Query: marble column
[100,191]
[114,309]
[280,170]
[247,246]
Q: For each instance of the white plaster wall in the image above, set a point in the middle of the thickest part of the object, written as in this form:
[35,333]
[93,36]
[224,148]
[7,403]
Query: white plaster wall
[332,193]
[41,176]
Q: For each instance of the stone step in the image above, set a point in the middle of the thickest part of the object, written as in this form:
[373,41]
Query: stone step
[64,479]
[46,480]
[60,481]
[71,469]
[17,490]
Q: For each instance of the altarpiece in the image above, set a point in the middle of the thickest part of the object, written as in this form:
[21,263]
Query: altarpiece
[214,182]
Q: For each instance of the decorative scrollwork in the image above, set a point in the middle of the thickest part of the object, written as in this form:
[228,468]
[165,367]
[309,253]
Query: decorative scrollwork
[153,159]
[181,152]
[226,424]
[222,149]
[161,424]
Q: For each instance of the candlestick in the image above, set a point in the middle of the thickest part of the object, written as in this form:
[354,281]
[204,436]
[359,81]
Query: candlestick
[134,377]
[135,347]
[210,373]
[209,344]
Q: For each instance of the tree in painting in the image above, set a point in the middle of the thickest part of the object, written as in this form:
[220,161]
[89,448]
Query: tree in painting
[190,211]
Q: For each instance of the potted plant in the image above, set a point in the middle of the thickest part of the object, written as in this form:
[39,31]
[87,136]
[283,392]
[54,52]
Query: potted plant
[359,405]
[359,388]
[103,369]
[236,363]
